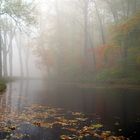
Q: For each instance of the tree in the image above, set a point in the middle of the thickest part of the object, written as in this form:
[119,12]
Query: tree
[101,24]
[68,45]
[0,55]
[20,14]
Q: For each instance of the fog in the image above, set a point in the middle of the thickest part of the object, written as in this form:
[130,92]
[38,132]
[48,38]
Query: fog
[69,69]
[70,40]
[34,70]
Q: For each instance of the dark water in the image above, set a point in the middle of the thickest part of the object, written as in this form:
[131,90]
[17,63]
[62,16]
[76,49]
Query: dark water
[118,109]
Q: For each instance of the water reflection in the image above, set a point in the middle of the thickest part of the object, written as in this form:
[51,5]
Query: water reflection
[103,102]
[117,109]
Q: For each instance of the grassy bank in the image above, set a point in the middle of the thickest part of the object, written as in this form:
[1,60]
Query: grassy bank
[107,78]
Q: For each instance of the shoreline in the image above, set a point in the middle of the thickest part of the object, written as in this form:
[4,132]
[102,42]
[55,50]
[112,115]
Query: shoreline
[109,86]
[99,85]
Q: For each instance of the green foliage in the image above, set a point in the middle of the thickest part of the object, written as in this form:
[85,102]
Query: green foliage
[119,75]
[19,11]
[127,31]
[109,74]
[126,35]
[71,61]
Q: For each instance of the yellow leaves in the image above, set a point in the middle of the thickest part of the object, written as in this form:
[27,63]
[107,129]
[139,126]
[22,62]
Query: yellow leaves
[105,134]
[77,113]
[61,123]
[71,129]
[81,119]
[65,137]
[75,126]
[96,126]
[37,124]
[46,125]
[43,124]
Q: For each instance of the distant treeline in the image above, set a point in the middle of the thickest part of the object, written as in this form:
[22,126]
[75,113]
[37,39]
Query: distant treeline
[95,40]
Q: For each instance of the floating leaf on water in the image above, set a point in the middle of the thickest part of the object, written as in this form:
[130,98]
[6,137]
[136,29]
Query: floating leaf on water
[119,130]
[75,125]
[65,137]
[37,124]
[96,126]
[117,123]
[81,119]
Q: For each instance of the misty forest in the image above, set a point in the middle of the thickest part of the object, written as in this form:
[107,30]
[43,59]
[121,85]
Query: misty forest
[69,69]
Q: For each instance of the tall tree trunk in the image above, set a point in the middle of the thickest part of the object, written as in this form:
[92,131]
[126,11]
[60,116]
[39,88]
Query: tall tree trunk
[124,4]
[0,54]
[113,11]
[18,42]
[11,61]
[86,35]
[100,22]
[20,61]
[134,9]
[0,47]
[128,8]
[27,67]
[11,35]
[93,55]
[60,60]
[124,56]
[5,71]
[27,61]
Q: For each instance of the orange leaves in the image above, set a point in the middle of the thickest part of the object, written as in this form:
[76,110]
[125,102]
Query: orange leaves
[124,28]
[127,26]
[70,125]
[100,56]
[106,55]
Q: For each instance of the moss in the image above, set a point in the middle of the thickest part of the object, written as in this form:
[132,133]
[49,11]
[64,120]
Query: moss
[2,86]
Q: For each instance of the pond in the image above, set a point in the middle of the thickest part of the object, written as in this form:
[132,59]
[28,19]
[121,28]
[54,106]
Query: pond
[115,111]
